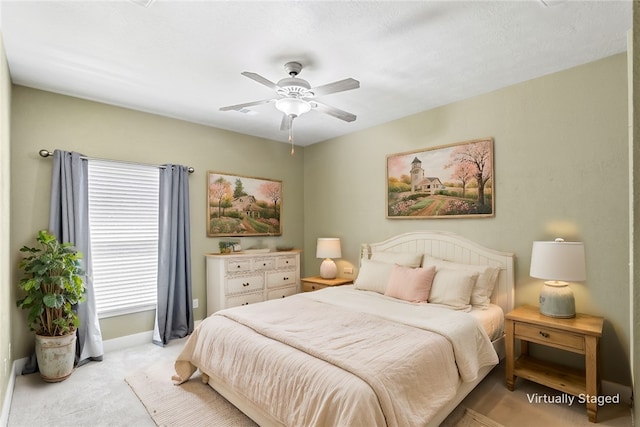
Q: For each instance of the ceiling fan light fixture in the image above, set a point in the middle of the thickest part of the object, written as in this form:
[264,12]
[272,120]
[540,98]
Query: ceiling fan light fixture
[293,106]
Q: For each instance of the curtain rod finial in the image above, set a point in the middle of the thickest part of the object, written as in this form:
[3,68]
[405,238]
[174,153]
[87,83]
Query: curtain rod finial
[45,153]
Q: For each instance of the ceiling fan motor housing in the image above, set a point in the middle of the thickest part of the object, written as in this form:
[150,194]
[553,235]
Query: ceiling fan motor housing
[293,68]
[294,86]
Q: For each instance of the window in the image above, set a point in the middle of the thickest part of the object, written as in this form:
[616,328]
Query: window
[123,222]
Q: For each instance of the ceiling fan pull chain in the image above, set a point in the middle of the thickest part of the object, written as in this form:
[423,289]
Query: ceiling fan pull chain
[291,135]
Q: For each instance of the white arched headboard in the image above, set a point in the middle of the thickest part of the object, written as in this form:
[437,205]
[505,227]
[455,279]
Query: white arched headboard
[455,248]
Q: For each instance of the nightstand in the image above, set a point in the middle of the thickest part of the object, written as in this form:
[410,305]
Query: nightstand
[580,334]
[314,283]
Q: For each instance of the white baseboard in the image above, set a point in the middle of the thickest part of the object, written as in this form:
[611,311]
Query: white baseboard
[132,340]
[611,389]
[18,366]
[8,396]
[127,341]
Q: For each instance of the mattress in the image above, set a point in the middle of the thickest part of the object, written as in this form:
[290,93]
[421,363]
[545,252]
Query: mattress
[491,319]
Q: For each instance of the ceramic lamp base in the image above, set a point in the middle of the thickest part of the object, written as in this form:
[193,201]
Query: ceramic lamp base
[328,269]
[556,300]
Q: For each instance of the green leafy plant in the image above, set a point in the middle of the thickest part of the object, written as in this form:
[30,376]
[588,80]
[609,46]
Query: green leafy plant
[53,285]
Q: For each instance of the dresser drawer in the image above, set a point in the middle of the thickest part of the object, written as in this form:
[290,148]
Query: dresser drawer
[282,293]
[245,284]
[245,299]
[310,286]
[263,264]
[549,336]
[281,278]
[238,265]
[285,261]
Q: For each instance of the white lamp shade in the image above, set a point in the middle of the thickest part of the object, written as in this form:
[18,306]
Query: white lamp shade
[293,106]
[559,261]
[328,247]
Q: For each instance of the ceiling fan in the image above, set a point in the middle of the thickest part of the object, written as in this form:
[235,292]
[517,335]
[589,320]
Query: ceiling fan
[295,96]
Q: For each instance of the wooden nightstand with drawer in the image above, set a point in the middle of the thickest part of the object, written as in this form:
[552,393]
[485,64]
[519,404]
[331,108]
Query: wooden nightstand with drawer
[314,283]
[580,334]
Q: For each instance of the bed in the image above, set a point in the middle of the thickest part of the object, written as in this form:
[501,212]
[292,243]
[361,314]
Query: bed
[373,353]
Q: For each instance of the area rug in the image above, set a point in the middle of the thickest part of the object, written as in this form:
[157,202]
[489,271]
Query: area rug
[191,404]
[195,404]
[472,418]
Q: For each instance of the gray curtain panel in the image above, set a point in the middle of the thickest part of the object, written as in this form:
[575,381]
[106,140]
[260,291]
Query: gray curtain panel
[174,314]
[69,222]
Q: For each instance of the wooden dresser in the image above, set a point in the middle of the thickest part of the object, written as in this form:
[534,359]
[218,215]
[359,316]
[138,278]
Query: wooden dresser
[246,278]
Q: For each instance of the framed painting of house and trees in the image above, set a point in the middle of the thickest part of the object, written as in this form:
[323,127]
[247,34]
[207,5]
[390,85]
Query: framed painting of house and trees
[450,181]
[243,206]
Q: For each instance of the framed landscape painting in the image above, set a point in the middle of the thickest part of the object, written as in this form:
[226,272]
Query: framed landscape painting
[243,206]
[451,181]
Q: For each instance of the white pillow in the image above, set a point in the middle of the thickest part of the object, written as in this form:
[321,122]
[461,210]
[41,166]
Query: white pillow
[373,276]
[452,287]
[487,277]
[407,259]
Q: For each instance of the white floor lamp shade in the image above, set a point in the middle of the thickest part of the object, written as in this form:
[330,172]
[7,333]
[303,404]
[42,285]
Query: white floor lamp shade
[558,262]
[327,248]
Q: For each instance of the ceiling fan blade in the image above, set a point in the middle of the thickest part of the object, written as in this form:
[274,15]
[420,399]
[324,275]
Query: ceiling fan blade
[339,86]
[239,107]
[333,111]
[286,123]
[261,80]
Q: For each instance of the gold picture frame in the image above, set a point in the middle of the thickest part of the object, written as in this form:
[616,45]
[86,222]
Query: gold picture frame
[240,205]
[449,181]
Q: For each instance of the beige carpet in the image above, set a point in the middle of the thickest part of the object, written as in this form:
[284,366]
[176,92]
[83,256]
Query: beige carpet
[196,404]
[472,418]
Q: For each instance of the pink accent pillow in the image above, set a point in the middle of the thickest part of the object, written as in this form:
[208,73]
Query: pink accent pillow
[410,284]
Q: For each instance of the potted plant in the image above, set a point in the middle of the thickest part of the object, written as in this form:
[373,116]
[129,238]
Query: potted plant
[53,285]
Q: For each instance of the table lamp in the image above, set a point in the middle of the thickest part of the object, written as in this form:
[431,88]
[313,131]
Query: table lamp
[327,248]
[558,262]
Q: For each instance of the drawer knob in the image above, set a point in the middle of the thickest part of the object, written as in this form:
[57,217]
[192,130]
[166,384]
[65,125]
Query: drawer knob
[544,334]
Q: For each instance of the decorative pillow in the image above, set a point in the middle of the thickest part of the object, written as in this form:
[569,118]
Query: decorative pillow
[408,259]
[410,284]
[452,287]
[373,275]
[487,278]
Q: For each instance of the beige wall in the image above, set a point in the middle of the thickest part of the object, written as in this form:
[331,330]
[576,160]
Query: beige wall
[561,153]
[634,198]
[46,120]
[560,166]
[6,295]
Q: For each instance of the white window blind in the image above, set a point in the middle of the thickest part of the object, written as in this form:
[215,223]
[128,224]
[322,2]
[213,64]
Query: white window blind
[123,222]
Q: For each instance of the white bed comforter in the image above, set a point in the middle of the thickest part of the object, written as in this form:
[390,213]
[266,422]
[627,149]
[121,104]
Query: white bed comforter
[358,358]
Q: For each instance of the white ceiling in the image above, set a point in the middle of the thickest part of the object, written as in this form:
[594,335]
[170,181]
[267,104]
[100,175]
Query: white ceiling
[183,59]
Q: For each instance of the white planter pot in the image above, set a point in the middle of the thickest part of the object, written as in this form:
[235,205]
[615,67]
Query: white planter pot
[56,356]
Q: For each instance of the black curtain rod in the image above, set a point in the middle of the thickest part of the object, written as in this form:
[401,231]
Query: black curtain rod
[47,153]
